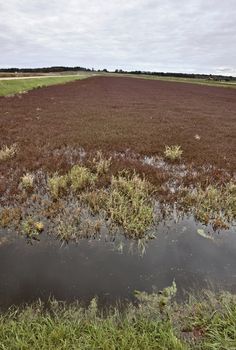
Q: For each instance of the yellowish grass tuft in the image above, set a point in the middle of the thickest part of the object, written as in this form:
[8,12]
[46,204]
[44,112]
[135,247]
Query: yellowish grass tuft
[129,204]
[102,164]
[215,205]
[27,180]
[81,177]
[96,200]
[173,152]
[8,152]
[32,228]
[57,184]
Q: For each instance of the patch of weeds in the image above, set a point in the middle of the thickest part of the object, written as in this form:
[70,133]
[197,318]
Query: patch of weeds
[66,230]
[91,228]
[66,223]
[80,178]
[10,216]
[214,205]
[173,152]
[157,303]
[39,226]
[8,152]
[208,321]
[57,185]
[96,200]
[31,228]
[51,208]
[129,204]
[27,181]
[102,165]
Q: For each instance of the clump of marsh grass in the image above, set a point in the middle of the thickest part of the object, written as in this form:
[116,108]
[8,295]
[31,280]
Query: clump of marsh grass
[215,205]
[39,226]
[67,221]
[74,222]
[102,164]
[31,228]
[27,181]
[10,216]
[8,152]
[57,185]
[80,178]
[129,203]
[150,304]
[66,229]
[91,228]
[77,179]
[173,152]
[96,200]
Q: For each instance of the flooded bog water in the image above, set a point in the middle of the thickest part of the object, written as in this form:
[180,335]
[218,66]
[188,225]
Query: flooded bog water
[47,268]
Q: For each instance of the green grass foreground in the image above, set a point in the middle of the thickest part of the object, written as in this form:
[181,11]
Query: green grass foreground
[156,323]
[14,86]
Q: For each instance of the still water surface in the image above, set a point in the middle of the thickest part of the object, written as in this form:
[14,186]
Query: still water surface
[47,268]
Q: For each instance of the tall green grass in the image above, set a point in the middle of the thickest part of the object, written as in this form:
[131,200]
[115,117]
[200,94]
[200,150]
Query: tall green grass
[207,323]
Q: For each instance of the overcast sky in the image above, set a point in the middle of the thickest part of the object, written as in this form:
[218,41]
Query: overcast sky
[158,35]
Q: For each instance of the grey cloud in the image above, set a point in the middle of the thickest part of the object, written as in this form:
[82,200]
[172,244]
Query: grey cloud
[187,35]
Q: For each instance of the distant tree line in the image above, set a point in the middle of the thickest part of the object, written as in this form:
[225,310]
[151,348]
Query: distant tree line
[60,69]
[56,69]
[180,75]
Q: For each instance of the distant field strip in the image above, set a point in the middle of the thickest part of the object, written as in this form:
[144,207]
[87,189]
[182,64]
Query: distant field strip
[225,84]
[11,86]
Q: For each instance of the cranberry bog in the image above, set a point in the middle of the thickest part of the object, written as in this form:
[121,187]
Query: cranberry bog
[111,184]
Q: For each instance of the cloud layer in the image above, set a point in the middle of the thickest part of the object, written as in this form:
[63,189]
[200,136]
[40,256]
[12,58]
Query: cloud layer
[183,36]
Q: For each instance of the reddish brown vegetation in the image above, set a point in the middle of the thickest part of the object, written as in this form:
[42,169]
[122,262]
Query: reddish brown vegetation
[115,114]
